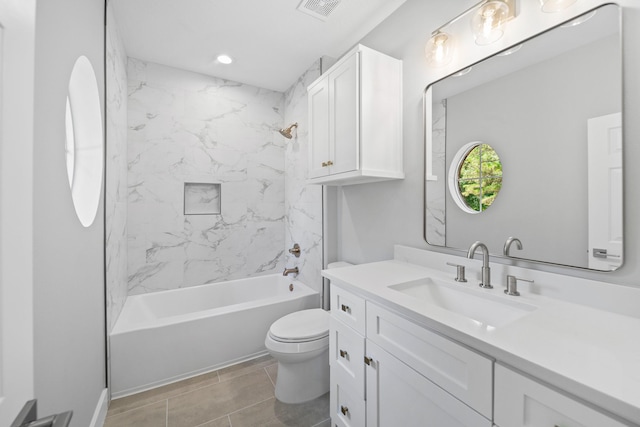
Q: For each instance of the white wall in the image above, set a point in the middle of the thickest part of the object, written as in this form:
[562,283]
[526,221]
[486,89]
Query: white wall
[373,217]
[69,318]
[188,127]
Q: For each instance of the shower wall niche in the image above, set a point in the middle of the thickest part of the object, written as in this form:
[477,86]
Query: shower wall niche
[185,127]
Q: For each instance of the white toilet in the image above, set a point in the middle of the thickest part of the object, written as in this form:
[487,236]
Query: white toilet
[300,343]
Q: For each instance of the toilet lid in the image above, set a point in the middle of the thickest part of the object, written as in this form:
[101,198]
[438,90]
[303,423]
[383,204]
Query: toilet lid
[305,325]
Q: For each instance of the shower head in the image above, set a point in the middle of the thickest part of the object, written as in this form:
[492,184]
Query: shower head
[287,131]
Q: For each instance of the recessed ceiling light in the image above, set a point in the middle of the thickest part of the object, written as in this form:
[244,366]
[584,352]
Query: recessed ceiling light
[224,59]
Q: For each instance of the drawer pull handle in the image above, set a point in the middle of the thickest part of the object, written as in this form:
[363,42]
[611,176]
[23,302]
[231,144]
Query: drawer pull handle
[324,164]
[344,410]
[343,353]
[346,308]
[368,360]
[329,163]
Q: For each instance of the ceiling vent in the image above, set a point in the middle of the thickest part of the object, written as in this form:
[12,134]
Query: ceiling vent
[320,9]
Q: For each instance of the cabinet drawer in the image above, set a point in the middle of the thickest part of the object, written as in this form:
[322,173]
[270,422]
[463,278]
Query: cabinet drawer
[521,401]
[348,308]
[346,356]
[465,374]
[347,410]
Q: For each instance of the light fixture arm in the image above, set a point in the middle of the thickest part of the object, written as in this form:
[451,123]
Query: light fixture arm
[510,3]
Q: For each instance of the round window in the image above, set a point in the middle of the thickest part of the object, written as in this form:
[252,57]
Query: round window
[84,141]
[475,177]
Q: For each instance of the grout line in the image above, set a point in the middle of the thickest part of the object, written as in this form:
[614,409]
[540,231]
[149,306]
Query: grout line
[316,425]
[229,418]
[269,376]
[166,418]
[155,402]
[215,419]
[249,406]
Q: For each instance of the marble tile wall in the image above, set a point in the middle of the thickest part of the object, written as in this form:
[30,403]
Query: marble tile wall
[187,127]
[303,203]
[436,189]
[116,172]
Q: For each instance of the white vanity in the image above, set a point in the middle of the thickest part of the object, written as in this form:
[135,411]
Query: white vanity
[409,346]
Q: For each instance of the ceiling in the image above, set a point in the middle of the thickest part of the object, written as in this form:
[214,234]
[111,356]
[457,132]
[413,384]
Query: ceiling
[271,41]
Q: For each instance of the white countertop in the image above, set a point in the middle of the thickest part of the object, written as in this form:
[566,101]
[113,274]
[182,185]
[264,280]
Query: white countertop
[590,353]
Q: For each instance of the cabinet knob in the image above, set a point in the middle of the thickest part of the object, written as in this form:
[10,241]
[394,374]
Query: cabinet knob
[343,353]
[329,163]
[325,164]
[368,360]
[345,308]
[344,410]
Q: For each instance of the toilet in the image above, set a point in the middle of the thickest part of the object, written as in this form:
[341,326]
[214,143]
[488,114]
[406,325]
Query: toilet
[299,342]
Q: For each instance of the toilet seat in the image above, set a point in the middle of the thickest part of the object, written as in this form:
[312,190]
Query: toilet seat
[301,326]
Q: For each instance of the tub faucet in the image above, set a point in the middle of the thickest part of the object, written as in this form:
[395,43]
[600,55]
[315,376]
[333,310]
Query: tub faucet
[288,271]
[486,271]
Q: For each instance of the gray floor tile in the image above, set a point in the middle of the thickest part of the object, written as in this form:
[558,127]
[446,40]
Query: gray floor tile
[212,402]
[245,367]
[162,393]
[272,413]
[154,415]
[220,422]
[272,371]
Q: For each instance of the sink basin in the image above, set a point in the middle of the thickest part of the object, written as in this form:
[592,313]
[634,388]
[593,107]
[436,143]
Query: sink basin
[482,307]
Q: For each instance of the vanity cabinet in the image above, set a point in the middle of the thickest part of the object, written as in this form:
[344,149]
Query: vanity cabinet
[355,120]
[523,401]
[389,371]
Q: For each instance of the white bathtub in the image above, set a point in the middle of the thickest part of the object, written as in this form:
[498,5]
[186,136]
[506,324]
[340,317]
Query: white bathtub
[167,336]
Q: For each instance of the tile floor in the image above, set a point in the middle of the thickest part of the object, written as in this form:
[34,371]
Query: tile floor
[238,396]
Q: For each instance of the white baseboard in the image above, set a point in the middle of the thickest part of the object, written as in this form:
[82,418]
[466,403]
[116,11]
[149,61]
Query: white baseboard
[101,410]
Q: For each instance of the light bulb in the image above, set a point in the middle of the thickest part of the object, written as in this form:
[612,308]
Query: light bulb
[555,5]
[488,21]
[439,49]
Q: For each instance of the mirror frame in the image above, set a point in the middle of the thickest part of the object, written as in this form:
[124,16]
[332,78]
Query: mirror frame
[428,141]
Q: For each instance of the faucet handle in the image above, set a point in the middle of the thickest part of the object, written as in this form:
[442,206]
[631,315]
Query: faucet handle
[512,285]
[459,272]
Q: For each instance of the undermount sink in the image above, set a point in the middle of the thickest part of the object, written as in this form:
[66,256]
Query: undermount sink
[479,306]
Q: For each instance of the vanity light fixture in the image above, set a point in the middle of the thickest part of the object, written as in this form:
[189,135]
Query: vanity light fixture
[555,5]
[439,49]
[489,17]
[488,21]
[579,20]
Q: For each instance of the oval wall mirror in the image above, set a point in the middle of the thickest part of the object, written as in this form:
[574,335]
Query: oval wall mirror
[84,141]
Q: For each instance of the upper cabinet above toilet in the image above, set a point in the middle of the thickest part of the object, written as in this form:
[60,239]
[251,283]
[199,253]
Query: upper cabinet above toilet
[355,120]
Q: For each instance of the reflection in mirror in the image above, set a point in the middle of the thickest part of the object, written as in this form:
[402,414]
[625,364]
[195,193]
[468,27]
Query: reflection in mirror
[553,110]
[475,177]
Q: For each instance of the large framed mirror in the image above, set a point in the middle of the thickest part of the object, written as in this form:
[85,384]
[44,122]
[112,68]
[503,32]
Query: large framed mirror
[551,108]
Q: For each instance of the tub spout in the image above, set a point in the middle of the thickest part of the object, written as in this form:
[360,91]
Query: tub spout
[288,271]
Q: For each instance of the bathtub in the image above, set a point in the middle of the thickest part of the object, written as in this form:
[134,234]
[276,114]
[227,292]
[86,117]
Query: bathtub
[167,336]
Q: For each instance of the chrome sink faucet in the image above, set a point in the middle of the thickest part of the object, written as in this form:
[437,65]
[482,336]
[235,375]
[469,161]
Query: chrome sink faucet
[288,271]
[486,271]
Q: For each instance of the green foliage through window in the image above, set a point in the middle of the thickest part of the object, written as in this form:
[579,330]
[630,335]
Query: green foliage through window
[480,177]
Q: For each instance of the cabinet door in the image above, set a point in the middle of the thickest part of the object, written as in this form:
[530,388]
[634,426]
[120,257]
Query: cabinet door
[346,356]
[319,128]
[399,396]
[523,402]
[344,109]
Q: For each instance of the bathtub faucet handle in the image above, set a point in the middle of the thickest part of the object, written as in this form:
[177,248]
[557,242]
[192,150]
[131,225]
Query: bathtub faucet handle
[288,271]
[295,250]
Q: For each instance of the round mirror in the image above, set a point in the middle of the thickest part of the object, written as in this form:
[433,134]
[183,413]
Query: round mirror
[84,141]
[475,177]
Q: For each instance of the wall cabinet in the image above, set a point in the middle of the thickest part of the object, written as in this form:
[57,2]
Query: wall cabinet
[355,120]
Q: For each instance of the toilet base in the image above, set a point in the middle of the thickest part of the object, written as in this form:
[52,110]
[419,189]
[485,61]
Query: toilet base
[303,381]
